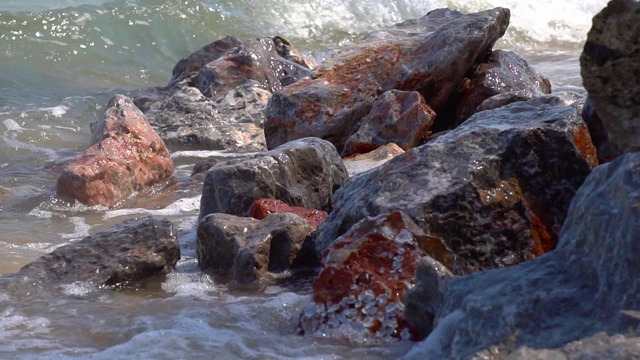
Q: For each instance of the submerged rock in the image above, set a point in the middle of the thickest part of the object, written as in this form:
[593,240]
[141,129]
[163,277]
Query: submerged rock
[365,273]
[127,156]
[496,189]
[421,55]
[264,207]
[589,284]
[304,173]
[247,248]
[131,251]
[400,117]
[504,72]
[609,67]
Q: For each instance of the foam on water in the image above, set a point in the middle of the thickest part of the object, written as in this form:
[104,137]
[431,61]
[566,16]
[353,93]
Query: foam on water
[180,206]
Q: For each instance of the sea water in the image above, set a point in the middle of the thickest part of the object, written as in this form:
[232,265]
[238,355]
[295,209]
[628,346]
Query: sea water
[61,62]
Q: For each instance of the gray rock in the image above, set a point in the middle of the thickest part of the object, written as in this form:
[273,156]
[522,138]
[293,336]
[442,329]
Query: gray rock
[423,301]
[246,248]
[186,119]
[589,284]
[422,55]
[304,173]
[255,59]
[496,189]
[131,251]
[609,67]
[503,72]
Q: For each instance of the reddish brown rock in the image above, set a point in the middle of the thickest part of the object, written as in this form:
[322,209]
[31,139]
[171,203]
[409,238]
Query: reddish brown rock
[360,163]
[190,65]
[503,72]
[400,117]
[126,157]
[365,273]
[421,55]
[263,207]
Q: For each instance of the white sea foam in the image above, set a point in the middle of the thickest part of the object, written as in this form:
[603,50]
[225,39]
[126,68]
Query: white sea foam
[57,111]
[180,206]
[12,125]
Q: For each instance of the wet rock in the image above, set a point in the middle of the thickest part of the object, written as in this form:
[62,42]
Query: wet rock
[587,285]
[609,67]
[364,276]
[263,207]
[425,298]
[189,66]
[421,55]
[605,149]
[127,156]
[360,163]
[496,189]
[400,117]
[504,72]
[186,119]
[246,248]
[131,251]
[599,346]
[304,173]
[254,60]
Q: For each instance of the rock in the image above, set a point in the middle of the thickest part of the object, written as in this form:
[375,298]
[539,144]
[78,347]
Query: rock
[504,72]
[609,67]
[360,163]
[400,117]
[425,298]
[496,189]
[256,60]
[127,156]
[421,55]
[246,248]
[264,207]
[189,66]
[3,191]
[303,173]
[128,252]
[364,276]
[589,284]
[599,346]
[503,99]
[605,149]
[186,119]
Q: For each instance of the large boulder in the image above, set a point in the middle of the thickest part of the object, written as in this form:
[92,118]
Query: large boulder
[127,156]
[131,251]
[605,148]
[246,249]
[186,119]
[609,67]
[304,173]
[426,55]
[504,72]
[400,117]
[365,273]
[589,284]
[496,189]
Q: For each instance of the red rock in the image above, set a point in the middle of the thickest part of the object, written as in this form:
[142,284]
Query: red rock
[401,117]
[260,209]
[127,156]
[422,55]
[364,276]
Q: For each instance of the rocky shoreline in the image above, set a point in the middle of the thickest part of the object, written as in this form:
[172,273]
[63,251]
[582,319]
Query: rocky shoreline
[441,189]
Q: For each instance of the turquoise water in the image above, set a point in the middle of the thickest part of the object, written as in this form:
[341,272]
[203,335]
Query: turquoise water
[61,62]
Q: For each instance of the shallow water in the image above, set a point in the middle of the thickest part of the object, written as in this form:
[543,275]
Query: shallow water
[63,60]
